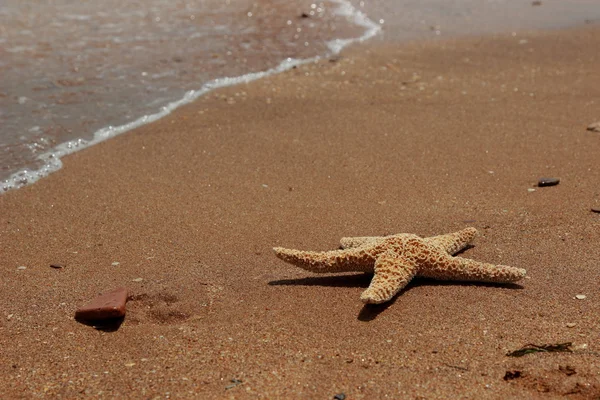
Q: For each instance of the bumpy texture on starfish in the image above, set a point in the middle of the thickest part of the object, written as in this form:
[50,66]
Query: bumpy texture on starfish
[396,259]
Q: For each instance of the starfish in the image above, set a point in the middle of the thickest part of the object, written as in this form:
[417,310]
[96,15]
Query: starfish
[396,259]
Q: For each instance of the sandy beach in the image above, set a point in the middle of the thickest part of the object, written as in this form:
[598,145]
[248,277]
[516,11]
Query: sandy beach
[422,137]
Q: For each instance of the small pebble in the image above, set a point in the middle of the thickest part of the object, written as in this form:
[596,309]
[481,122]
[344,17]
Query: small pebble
[596,210]
[339,396]
[580,296]
[56,266]
[137,279]
[21,267]
[115,263]
[531,190]
[548,182]
[595,127]
[570,324]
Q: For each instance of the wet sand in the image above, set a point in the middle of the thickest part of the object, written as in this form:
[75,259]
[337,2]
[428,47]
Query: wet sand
[424,138]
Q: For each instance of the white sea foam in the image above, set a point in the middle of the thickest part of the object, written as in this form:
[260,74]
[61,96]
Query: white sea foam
[52,159]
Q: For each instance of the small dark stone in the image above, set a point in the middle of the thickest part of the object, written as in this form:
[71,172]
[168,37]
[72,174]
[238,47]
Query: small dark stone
[595,127]
[109,305]
[548,182]
[536,3]
[510,375]
[57,266]
[304,15]
[339,396]
[596,210]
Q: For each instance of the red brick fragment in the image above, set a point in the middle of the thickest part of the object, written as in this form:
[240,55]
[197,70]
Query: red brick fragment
[106,306]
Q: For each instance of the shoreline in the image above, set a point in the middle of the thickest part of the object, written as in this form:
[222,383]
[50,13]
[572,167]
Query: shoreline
[400,27]
[51,158]
[422,137]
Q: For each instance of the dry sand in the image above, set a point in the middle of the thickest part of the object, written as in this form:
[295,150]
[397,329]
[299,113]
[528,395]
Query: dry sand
[424,138]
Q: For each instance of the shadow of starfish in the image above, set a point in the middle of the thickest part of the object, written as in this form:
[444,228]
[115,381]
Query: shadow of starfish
[363,280]
[371,311]
[354,280]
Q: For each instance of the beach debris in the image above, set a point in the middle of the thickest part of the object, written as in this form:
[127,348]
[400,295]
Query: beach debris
[548,182]
[397,259]
[595,210]
[514,374]
[530,190]
[57,266]
[115,263]
[595,127]
[536,3]
[109,305]
[304,15]
[570,324]
[234,383]
[544,348]
[580,296]
[21,268]
[340,396]
[137,279]
[458,367]
[567,370]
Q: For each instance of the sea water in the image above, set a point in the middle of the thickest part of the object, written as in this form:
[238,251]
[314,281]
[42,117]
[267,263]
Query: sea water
[76,73]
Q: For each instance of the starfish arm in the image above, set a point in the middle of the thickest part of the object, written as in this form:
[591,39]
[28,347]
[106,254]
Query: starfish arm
[351,242]
[464,269]
[392,274]
[329,261]
[453,242]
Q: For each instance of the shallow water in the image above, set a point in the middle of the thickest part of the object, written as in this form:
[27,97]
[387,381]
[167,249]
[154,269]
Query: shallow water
[418,19]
